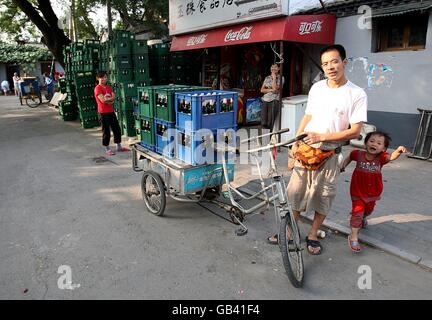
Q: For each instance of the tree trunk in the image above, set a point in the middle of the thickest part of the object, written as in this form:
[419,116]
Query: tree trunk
[53,37]
[109,17]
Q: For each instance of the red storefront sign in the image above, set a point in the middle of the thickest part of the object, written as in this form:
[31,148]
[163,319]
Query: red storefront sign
[318,29]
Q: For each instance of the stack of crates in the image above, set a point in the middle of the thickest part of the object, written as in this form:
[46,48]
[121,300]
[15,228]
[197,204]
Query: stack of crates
[210,110]
[67,56]
[127,63]
[119,57]
[91,56]
[85,84]
[141,63]
[156,117]
[159,56]
[104,56]
[62,85]
[165,117]
[68,110]
[184,68]
[144,115]
[125,104]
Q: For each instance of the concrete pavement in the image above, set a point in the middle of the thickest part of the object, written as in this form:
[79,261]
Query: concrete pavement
[64,204]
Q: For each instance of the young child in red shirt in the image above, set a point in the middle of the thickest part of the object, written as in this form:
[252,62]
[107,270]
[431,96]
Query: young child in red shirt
[105,98]
[366,181]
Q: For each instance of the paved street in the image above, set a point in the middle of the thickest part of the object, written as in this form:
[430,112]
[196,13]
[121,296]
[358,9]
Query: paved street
[64,203]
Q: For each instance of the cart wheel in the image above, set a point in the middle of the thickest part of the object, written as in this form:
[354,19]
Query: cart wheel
[33,101]
[212,193]
[153,192]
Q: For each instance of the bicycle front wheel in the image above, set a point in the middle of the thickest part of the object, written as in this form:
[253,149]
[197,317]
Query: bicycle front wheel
[290,246]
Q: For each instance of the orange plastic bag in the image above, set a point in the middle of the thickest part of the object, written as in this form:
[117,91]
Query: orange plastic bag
[312,158]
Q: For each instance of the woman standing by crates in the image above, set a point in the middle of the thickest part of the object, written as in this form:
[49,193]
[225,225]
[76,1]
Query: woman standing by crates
[270,106]
[105,98]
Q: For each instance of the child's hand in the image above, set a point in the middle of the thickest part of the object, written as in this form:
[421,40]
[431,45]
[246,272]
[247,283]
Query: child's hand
[401,149]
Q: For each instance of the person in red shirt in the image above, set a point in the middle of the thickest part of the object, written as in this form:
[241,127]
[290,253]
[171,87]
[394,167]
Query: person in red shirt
[366,181]
[105,98]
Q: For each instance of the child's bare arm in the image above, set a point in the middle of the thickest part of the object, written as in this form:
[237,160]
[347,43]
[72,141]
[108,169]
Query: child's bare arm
[345,163]
[395,154]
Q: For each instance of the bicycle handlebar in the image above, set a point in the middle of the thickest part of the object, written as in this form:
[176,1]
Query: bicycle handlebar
[266,135]
[280,144]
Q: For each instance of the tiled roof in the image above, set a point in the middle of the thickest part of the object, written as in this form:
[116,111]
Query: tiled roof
[379,8]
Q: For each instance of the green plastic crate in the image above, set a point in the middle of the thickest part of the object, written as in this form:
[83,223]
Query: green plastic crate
[123,61]
[146,101]
[91,114]
[128,124]
[90,123]
[128,89]
[120,47]
[145,129]
[141,74]
[120,34]
[140,61]
[69,116]
[140,47]
[165,102]
[121,75]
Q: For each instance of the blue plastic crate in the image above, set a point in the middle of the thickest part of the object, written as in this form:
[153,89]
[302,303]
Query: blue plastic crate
[210,109]
[165,134]
[196,147]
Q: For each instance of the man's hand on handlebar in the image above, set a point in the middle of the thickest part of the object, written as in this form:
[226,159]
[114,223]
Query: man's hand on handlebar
[313,137]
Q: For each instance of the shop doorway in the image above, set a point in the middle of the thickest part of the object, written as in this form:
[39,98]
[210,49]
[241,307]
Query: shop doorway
[10,70]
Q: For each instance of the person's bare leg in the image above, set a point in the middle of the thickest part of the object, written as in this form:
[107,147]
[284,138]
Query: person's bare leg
[274,238]
[317,222]
[354,233]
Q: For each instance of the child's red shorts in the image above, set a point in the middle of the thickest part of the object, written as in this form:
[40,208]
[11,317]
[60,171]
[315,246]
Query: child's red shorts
[360,210]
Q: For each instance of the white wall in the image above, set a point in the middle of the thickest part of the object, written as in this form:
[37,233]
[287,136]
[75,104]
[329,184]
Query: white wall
[406,75]
[59,68]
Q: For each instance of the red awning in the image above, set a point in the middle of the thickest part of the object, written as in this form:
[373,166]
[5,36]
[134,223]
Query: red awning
[319,29]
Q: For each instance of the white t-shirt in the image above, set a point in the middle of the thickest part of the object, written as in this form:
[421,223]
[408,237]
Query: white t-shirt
[334,109]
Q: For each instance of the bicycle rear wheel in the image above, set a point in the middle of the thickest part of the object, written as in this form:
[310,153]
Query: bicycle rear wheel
[290,246]
[33,101]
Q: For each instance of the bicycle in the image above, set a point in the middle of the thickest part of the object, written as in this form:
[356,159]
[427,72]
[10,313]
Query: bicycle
[289,234]
[32,93]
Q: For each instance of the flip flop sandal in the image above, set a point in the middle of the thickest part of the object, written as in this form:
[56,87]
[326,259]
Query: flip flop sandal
[354,245]
[314,244]
[274,239]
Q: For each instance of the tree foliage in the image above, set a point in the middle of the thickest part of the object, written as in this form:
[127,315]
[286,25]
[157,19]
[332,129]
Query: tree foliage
[38,18]
[15,23]
[24,55]
[143,15]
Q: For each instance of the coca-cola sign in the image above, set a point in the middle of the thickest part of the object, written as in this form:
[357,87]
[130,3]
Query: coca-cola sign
[193,41]
[242,34]
[310,27]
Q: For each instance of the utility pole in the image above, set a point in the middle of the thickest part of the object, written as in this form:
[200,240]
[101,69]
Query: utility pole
[74,35]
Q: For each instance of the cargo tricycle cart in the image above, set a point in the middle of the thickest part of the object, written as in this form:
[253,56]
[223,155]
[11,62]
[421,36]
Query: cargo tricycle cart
[188,183]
